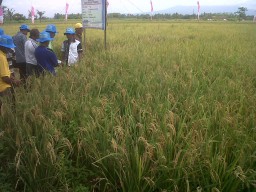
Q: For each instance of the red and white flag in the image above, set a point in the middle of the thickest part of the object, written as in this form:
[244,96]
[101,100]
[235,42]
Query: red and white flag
[32,14]
[67,5]
[198,9]
[151,4]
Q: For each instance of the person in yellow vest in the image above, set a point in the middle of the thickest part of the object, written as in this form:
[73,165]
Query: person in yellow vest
[6,81]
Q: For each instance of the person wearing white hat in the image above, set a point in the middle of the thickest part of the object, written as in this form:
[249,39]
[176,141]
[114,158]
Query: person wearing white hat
[71,48]
[6,81]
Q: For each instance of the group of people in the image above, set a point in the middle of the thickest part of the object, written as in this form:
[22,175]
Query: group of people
[35,55]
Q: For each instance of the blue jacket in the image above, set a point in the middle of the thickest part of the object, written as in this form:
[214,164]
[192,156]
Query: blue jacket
[46,59]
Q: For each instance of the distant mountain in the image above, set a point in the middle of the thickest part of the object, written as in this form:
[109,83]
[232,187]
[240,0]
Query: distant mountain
[250,5]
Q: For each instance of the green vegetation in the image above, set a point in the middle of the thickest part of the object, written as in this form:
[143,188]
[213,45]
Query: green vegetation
[169,106]
[241,13]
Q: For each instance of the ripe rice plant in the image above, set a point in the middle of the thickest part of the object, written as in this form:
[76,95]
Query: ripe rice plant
[169,106]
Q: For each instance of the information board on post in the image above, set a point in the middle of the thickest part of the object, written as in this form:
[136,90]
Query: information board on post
[93,14]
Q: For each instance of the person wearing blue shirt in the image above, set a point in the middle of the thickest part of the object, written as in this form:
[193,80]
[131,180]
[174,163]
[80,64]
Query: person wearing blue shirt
[46,58]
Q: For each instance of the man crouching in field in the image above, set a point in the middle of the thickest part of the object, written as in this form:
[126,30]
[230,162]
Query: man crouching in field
[6,82]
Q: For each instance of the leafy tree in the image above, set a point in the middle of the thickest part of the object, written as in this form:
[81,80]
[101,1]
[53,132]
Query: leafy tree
[70,16]
[40,14]
[18,17]
[10,13]
[58,16]
[241,13]
[29,13]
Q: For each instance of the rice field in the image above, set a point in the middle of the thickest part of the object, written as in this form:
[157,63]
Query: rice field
[168,106]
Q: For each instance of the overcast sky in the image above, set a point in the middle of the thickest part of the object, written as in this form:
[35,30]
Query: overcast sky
[121,6]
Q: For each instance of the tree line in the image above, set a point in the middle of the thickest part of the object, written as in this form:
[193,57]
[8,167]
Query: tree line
[10,15]
[240,14]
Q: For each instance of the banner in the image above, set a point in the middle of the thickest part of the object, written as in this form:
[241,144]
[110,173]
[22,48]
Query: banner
[32,14]
[198,9]
[66,11]
[93,14]
[1,15]
[152,9]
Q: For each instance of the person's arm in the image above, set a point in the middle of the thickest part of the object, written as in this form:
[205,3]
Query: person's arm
[63,57]
[5,72]
[80,56]
[27,50]
[79,51]
[24,39]
[54,60]
[10,81]
[63,53]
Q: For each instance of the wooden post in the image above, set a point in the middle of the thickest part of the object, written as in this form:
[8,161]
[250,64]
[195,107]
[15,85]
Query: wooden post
[84,39]
[105,30]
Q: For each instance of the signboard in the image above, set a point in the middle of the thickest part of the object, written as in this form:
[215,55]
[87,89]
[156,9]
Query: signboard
[93,14]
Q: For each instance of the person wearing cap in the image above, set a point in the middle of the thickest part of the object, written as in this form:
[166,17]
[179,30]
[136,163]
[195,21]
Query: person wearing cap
[52,30]
[10,56]
[46,58]
[19,40]
[71,48]
[6,81]
[79,31]
[30,47]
